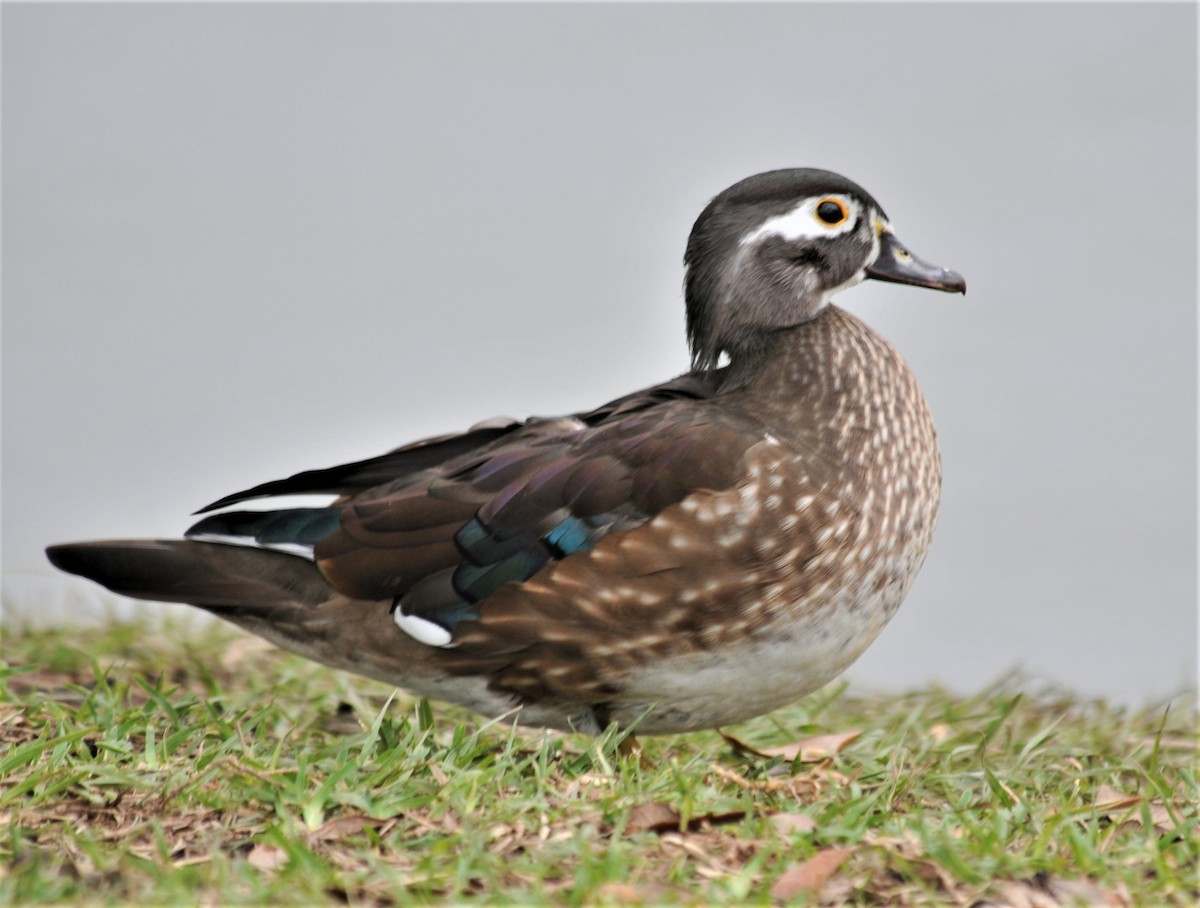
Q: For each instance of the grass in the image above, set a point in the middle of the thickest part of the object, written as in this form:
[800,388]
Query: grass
[207,768]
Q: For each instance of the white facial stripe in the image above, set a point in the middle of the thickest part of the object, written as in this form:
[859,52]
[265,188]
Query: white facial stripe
[802,223]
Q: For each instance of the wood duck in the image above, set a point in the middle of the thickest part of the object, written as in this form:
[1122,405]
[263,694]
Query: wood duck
[692,555]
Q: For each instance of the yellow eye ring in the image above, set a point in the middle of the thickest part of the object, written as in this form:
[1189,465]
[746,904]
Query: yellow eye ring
[831,212]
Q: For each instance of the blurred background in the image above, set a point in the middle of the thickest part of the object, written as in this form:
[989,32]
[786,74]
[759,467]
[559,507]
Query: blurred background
[244,241]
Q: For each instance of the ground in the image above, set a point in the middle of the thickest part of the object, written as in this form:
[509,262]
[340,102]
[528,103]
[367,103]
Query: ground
[159,764]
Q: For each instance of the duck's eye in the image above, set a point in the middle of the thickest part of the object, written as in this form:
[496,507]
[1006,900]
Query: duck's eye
[832,212]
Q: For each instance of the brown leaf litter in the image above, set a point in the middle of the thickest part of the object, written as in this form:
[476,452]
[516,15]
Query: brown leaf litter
[807,750]
[810,875]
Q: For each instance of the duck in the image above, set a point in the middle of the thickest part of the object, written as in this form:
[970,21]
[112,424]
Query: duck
[689,556]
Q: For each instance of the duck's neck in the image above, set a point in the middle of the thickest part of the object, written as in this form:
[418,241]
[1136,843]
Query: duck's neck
[831,374]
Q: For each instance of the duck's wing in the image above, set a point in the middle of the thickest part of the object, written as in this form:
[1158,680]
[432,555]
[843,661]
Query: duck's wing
[438,527]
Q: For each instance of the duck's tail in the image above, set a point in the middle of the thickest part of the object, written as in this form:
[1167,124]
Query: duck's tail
[280,597]
[220,578]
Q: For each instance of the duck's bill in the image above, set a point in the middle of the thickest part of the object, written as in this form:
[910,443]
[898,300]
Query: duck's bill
[899,266]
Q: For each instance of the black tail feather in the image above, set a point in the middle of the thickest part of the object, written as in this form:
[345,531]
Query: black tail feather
[363,474]
[209,575]
[301,527]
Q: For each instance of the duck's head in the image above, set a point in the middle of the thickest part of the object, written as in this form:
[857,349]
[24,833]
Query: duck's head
[769,253]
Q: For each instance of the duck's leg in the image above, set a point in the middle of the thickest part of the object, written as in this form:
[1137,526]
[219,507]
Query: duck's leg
[630,746]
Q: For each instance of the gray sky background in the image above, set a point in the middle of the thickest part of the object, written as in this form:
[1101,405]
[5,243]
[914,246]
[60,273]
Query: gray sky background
[239,242]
